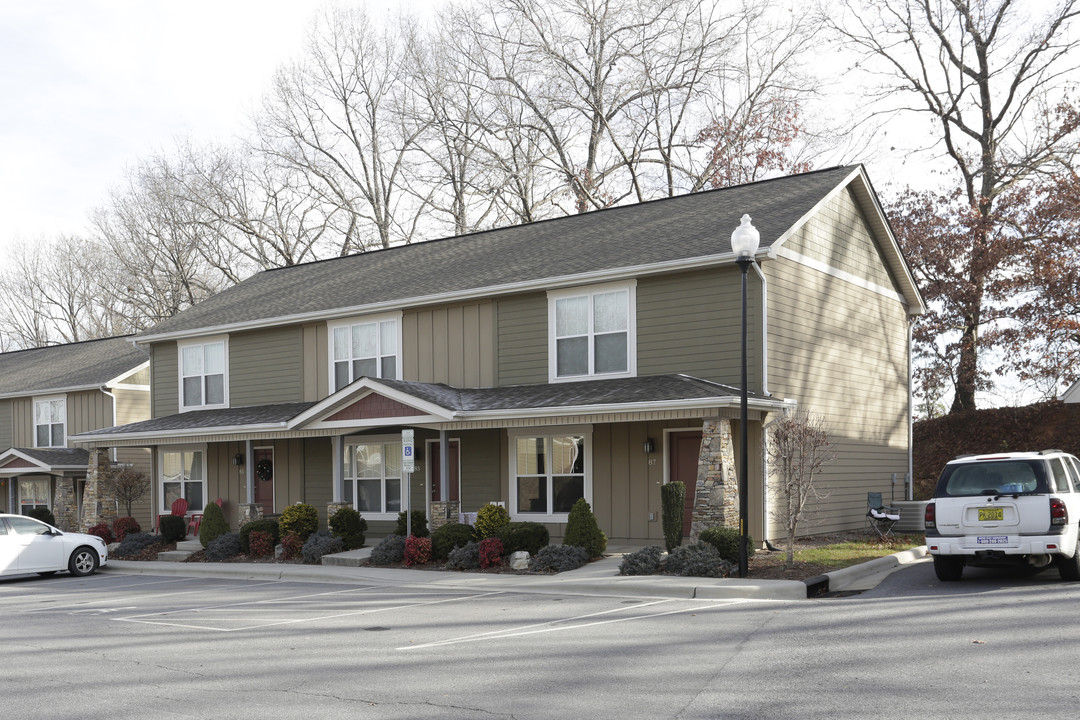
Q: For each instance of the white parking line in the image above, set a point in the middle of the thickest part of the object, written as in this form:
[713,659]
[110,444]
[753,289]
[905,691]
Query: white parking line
[132,598]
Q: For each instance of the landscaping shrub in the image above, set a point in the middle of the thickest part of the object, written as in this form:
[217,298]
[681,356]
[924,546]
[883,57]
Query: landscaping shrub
[645,561]
[582,530]
[300,519]
[673,505]
[103,531]
[223,547]
[123,525]
[447,537]
[419,524]
[489,519]
[697,560]
[173,528]
[390,550]
[292,546]
[135,543]
[417,550]
[558,558]
[43,514]
[213,524]
[347,524]
[319,544]
[263,525]
[726,541]
[260,543]
[491,552]
[466,557]
[527,536]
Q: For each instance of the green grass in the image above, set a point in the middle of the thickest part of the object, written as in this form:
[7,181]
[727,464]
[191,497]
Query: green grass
[843,554]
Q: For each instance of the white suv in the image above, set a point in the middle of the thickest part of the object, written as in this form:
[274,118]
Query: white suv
[1021,508]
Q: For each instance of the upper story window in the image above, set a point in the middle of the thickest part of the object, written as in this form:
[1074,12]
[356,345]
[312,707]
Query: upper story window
[50,422]
[592,332]
[365,349]
[204,374]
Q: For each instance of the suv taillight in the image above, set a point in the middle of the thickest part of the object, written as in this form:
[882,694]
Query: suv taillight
[930,517]
[1058,514]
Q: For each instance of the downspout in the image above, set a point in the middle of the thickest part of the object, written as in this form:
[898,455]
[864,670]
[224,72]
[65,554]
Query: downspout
[910,493]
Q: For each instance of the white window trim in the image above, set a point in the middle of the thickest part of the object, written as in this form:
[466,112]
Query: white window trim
[33,410]
[406,481]
[161,474]
[547,432]
[630,287]
[180,347]
[362,320]
[28,480]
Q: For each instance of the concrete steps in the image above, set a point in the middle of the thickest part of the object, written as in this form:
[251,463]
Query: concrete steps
[184,550]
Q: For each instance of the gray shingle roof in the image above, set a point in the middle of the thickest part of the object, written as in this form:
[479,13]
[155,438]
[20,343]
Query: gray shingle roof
[58,457]
[59,367]
[204,419]
[672,229]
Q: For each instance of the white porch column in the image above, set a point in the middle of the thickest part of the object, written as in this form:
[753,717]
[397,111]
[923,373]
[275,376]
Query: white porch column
[249,472]
[337,473]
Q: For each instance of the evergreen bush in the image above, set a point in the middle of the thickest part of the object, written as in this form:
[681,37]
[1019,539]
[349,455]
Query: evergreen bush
[466,557]
[390,550]
[43,514]
[213,525]
[582,530]
[349,526]
[262,525]
[224,547]
[726,541]
[135,543]
[123,525]
[673,506]
[645,561]
[697,560]
[447,537]
[319,544]
[300,519]
[527,536]
[559,558]
[419,524]
[173,528]
[489,520]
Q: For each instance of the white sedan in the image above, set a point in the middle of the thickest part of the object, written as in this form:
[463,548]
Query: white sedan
[31,546]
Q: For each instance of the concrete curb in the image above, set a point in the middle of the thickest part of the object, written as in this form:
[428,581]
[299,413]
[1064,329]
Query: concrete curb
[844,578]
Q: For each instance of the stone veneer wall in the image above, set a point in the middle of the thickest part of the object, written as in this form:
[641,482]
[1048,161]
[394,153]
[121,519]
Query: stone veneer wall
[67,510]
[443,513]
[248,512]
[716,500]
[98,505]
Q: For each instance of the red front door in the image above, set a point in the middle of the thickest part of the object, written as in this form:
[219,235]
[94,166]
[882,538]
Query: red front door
[684,449]
[264,488]
[436,471]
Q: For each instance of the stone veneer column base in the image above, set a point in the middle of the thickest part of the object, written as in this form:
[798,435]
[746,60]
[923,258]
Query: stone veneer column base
[247,512]
[443,513]
[66,509]
[716,500]
[98,505]
[333,507]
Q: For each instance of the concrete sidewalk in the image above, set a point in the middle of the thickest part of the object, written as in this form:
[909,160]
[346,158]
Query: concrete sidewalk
[600,577]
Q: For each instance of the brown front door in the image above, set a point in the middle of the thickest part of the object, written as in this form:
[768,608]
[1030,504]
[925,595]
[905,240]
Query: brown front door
[436,471]
[684,448]
[264,489]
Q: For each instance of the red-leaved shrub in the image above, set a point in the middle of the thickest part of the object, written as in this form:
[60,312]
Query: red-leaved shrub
[417,550]
[123,526]
[260,543]
[102,531]
[491,552]
[292,544]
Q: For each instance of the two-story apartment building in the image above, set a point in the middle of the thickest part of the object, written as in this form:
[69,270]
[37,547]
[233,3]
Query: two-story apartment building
[593,356]
[49,394]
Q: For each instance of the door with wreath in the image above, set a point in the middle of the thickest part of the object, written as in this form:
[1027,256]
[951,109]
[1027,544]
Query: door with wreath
[264,478]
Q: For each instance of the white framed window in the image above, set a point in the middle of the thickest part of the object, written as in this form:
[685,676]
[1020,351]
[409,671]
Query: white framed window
[592,332]
[372,476]
[549,472]
[33,494]
[50,422]
[183,475]
[204,374]
[364,348]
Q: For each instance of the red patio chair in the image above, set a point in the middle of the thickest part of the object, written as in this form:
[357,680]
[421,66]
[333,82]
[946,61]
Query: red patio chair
[178,509]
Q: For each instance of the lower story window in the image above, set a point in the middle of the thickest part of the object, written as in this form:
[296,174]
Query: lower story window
[549,474]
[183,476]
[373,477]
[33,494]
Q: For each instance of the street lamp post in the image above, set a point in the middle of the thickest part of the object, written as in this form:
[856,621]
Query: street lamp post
[744,243]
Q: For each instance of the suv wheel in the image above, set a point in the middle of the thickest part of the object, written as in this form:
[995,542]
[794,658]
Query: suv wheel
[1070,567]
[949,567]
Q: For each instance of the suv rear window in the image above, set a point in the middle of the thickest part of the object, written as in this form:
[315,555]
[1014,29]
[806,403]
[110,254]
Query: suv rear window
[989,478]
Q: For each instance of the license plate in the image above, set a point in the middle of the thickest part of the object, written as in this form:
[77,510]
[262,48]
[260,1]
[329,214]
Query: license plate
[992,540]
[991,514]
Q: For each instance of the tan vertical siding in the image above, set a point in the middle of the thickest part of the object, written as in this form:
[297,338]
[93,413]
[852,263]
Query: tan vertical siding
[451,344]
[164,387]
[266,367]
[88,410]
[318,473]
[522,339]
[6,432]
[480,465]
[22,428]
[311,369]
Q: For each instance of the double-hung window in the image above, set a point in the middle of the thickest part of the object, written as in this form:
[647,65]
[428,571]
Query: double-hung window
[183,475]
[549,473]
[367,348]
[50,422]
[204,374]
[372,475]
[592,332]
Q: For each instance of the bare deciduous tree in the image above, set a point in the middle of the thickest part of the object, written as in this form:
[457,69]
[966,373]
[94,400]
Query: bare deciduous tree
[128,485]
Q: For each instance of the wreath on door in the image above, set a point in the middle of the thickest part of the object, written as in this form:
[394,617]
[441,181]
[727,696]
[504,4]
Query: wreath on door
[264,469]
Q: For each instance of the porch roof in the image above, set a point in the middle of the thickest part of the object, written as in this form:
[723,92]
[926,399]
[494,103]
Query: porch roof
[52,461]
[369,403]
